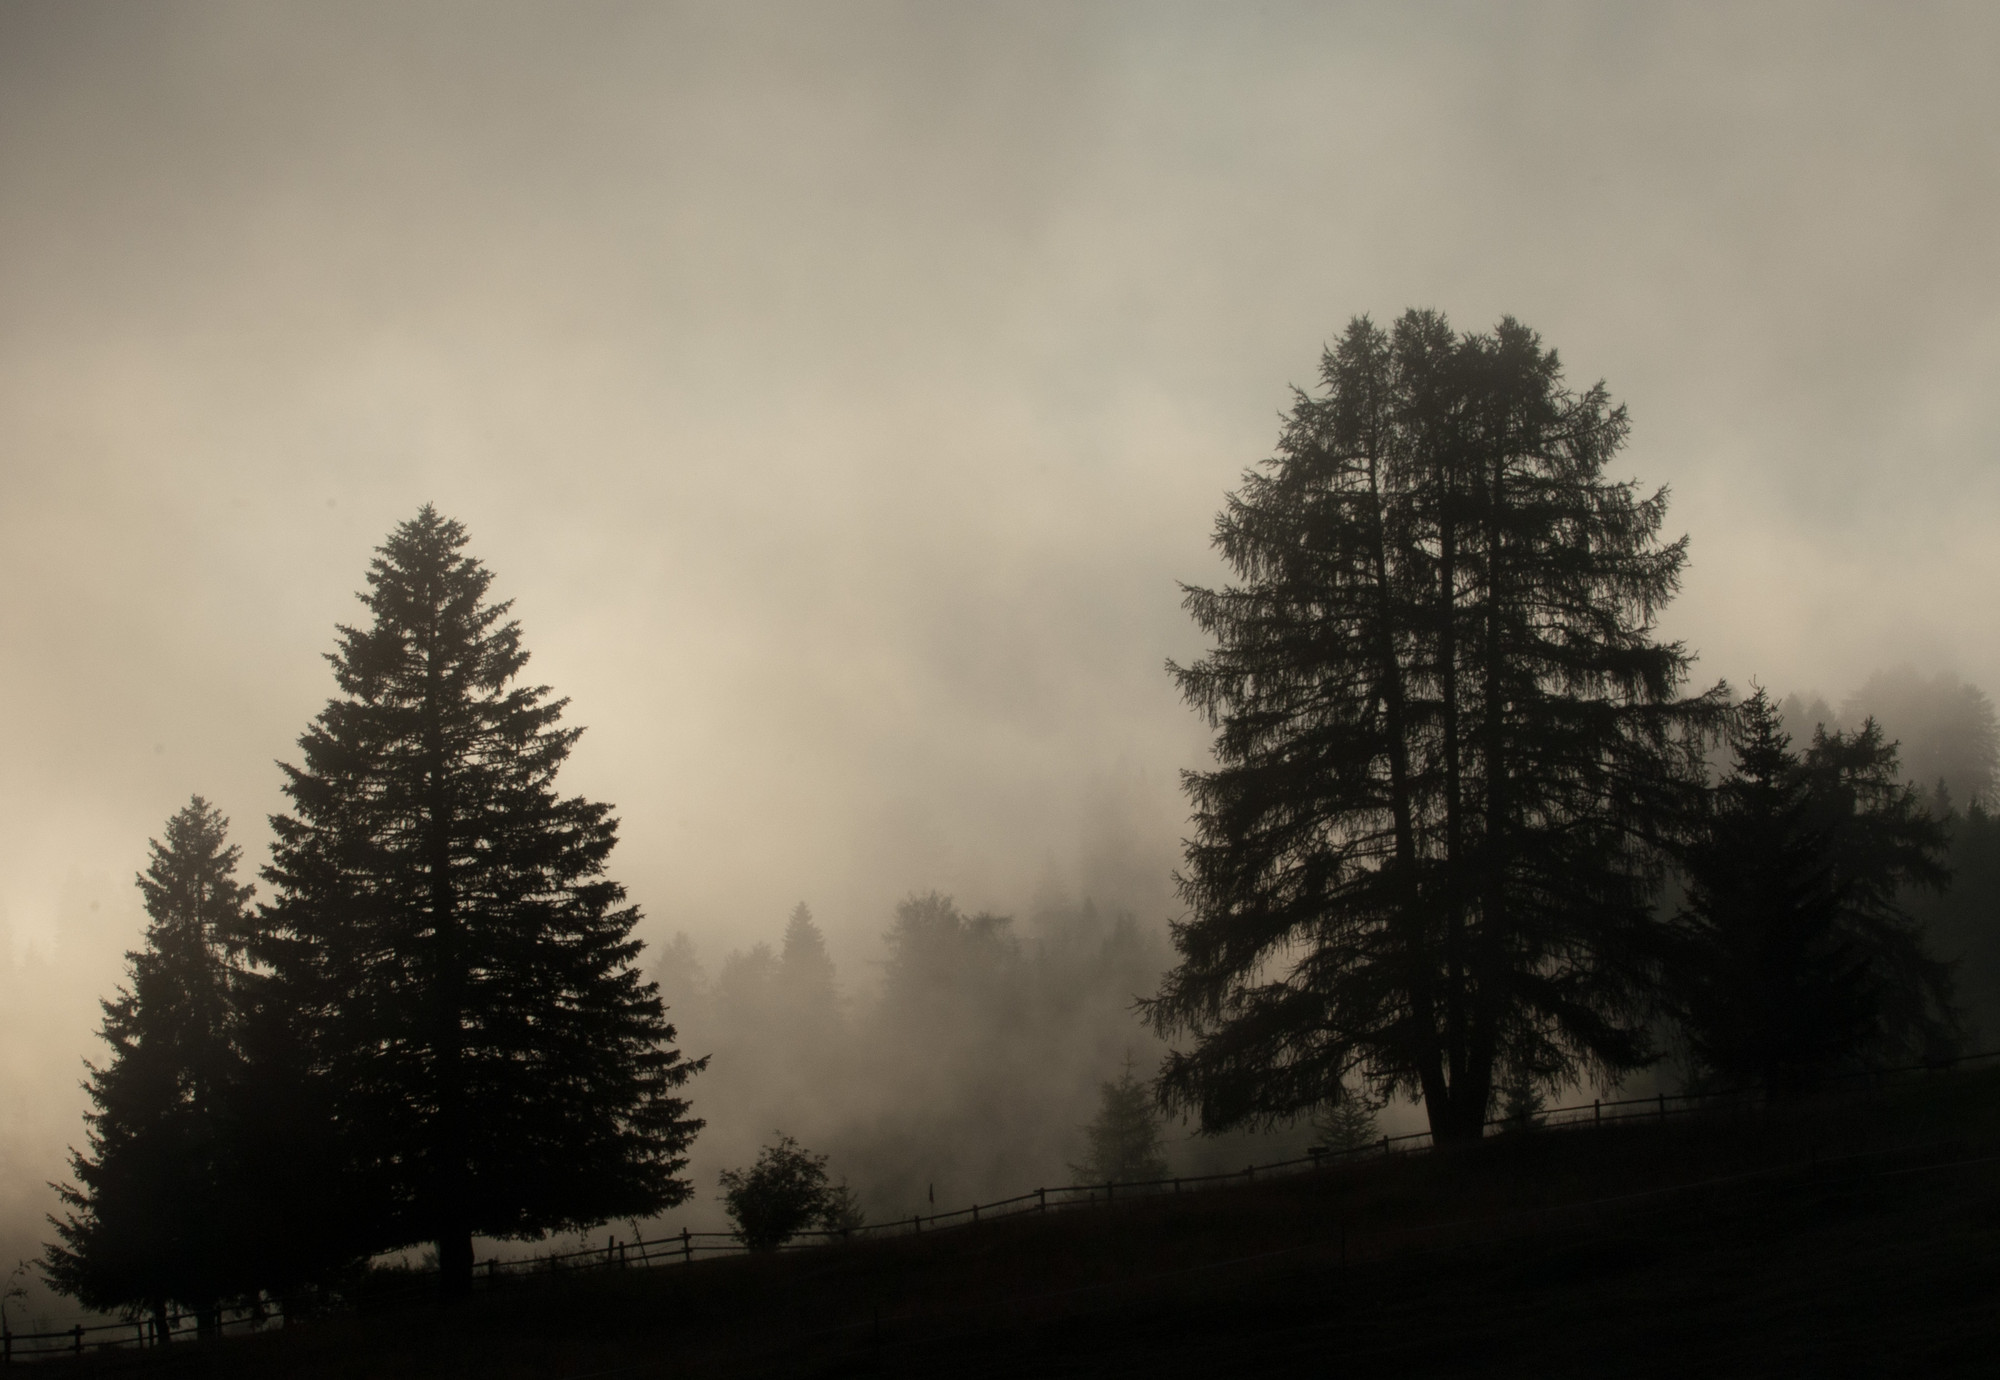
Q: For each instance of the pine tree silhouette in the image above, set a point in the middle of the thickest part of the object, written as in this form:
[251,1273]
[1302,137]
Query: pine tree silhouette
[444,968]
[1448,743]
[1795,955]
[1124,1144]
[150,1218]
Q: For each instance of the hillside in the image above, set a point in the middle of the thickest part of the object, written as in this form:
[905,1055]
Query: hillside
[1858,1235]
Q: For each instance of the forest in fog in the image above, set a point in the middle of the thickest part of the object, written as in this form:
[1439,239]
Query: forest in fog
[1465,845]
[965,1064]
[943,611]
[970,1056]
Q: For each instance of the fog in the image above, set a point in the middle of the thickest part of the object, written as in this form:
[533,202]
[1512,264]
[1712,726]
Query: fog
[840,391]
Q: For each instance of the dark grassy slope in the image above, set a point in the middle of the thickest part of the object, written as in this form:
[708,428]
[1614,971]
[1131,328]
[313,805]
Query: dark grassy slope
[1857,1236]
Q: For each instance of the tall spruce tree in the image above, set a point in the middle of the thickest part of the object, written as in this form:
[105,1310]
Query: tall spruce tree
[151,1216]
[444,981]
[1797,956]
[1448,744]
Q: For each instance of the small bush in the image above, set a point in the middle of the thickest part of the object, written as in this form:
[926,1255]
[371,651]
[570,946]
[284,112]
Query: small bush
[785,1193]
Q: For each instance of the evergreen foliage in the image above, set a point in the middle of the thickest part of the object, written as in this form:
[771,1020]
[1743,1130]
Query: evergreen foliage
[1345,1124]
[805,971]
[444,1008]
[972,1069]
[1124,1144]
[1945,730]
[1796,954]
[150,1218]
[1963,923]
[940,957]
[1521,1108]
[1448,744]
[784,1193]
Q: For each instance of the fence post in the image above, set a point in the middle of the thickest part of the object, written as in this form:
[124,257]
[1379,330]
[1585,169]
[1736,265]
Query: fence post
[1385,1145]
[79,1339]
[1597,1111]
[975,1212]
[1249,1173]
[1177,1185]
[1041,1200]
[687,1247]
[1663,1106]
[917,1223]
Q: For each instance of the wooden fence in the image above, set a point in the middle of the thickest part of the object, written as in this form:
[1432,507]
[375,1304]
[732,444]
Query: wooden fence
[686,1247]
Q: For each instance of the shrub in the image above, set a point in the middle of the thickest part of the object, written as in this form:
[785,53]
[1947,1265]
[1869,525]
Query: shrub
[785,1193]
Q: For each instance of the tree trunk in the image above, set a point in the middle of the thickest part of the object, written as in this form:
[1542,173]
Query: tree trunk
[454,1253]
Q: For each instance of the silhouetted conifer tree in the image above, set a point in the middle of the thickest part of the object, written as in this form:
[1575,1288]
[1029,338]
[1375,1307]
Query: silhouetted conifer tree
[1797,956]
[805,972]
[1448,742]
[150,1218]
[1345,1125]
[1964,922]
[1124,1144]
[444,980]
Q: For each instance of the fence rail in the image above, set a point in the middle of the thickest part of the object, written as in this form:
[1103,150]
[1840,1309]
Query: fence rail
[685,1247]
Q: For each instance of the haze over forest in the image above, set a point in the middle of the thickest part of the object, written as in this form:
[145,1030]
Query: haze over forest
[840,393]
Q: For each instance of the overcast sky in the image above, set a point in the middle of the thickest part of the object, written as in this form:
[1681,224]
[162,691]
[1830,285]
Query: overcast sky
[840,390]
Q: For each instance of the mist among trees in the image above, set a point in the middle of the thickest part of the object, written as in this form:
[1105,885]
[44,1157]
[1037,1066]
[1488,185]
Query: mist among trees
[969,1065]
[1469,840]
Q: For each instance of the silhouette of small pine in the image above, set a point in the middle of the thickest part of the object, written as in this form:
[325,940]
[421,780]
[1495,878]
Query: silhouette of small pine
[1797,953]
[149,1220]
[1521,1107]
[1124,1141]
[1348,1124]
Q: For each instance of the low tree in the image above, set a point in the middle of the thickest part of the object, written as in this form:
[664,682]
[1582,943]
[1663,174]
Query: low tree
[150,1220]
[784,1193]
[1345,1124]
[842,1213]
[1795,954]
[1123,1143]
[1521,1107]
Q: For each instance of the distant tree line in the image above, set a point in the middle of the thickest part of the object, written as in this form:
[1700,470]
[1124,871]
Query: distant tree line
[1464,838]
[973,1067]
[434,1029]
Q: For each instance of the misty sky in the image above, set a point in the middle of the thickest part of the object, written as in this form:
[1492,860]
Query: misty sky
[840,390]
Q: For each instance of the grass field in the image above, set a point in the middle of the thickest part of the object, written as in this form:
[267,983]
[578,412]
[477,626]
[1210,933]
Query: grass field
[1858,1235]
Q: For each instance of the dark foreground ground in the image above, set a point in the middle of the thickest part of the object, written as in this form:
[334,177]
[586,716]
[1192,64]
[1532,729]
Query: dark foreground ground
[1859,1236]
